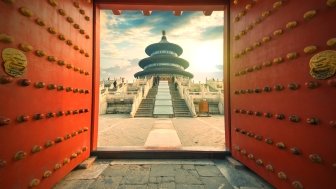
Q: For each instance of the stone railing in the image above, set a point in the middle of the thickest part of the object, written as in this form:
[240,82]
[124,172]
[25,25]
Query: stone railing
[120,95]
[139,82]
[148,86]
[221,104]
[102,103]
[123,87]
[207,95]
[190,102]
[184,93]
[141,94]
[136,102]
[190,96]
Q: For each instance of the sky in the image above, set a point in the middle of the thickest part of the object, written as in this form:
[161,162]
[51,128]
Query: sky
[123,39]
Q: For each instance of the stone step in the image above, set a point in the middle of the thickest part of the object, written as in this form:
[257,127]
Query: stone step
[146,105]
[143,113]
[178,115]
[181,107]
[145,108]
[181,112]
[143,116]
[147,102]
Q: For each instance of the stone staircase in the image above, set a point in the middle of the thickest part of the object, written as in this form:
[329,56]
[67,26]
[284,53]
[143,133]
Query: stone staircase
[213,108]
[147,105]
[179,105]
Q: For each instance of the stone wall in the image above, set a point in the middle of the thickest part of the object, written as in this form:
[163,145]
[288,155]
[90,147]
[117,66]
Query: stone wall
[119,108]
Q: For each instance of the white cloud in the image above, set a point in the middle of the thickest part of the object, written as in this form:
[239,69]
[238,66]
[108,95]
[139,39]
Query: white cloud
[112,54]
[194,28]
[119,49]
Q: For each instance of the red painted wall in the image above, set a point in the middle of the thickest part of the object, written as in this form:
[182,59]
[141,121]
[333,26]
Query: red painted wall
[303,102]
[17,100]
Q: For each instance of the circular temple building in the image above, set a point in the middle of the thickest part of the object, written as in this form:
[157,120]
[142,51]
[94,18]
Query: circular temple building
[163,61]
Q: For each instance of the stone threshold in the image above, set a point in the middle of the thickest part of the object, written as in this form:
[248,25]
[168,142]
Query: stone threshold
[144,153]
[146,149]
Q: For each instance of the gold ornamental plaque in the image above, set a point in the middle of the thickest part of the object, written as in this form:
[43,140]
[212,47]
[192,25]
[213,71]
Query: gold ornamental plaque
[15,62]
[323,64]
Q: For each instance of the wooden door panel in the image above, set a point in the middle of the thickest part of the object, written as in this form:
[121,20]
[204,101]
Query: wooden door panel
[53,100]
[258,65]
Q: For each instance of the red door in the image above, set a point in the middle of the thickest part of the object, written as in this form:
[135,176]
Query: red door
[283,64]
[45,90]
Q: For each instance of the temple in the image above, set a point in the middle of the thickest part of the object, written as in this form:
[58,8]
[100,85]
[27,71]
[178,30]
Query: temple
[162,88]
[163,61]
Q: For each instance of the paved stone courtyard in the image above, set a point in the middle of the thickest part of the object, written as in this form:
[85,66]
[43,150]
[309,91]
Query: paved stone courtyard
[120,130]
[162,174]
